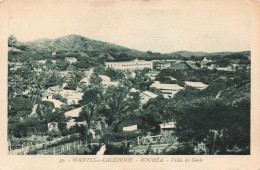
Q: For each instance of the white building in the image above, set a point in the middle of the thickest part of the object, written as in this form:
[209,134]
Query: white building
[168,90]
[106,81]
[169,125]
[73,97]
[146,96]
[197,85]
[130,65]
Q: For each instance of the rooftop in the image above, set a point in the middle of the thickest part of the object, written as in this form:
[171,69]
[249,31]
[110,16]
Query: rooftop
[149,94]
[196,84]
[74,112]
[158,85]
[167,125]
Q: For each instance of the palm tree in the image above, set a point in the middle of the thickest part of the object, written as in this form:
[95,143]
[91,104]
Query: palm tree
[118,105]
[93,101]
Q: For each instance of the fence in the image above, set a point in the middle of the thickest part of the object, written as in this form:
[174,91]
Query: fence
[27,149]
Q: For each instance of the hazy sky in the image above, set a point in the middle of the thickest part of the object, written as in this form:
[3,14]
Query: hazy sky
[156,29]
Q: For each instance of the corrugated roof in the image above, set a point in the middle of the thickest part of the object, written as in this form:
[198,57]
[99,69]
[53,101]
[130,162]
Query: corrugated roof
[167,86]
[149,94]
[74,112]
[192,64]
[196,84]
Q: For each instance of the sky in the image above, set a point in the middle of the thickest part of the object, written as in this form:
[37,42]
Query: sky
[141,25]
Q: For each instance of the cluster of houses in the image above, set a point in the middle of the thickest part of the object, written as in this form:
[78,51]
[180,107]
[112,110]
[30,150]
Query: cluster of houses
[205,63]
[73,97]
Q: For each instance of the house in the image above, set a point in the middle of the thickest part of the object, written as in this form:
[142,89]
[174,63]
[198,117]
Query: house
[192,65]
[72,123]
[130,128]
[179,65]
[197,85]
[104,78]
[168,90]
[74,114]
[163,65]
[167,131]
[73,97]
[54,89]
[146,96]
[167,126]
[48,96]
[107,82]
[71,60]
[130,65]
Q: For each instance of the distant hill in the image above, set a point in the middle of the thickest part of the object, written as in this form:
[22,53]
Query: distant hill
[80,44]
[76,45]
[188,54]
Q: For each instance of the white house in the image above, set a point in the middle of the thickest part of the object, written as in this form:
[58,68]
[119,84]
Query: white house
[146,96]
[73,97]
[106,81]
[168,90]
[168,125]
[130,128]
[197,85]
[104,78]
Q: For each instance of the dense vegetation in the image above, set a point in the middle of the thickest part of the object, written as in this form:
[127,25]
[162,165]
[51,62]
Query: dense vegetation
[218,116]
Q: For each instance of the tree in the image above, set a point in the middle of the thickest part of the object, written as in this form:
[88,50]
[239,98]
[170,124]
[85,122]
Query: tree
[61,65]
[118,106]
[141,81]
[95,79]
[12,41]
[44,111]
[92,102]
[20,107]
[76,76]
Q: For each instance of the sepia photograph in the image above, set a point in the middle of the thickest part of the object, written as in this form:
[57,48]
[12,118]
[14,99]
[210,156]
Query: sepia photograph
[128,78]
[162,87]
